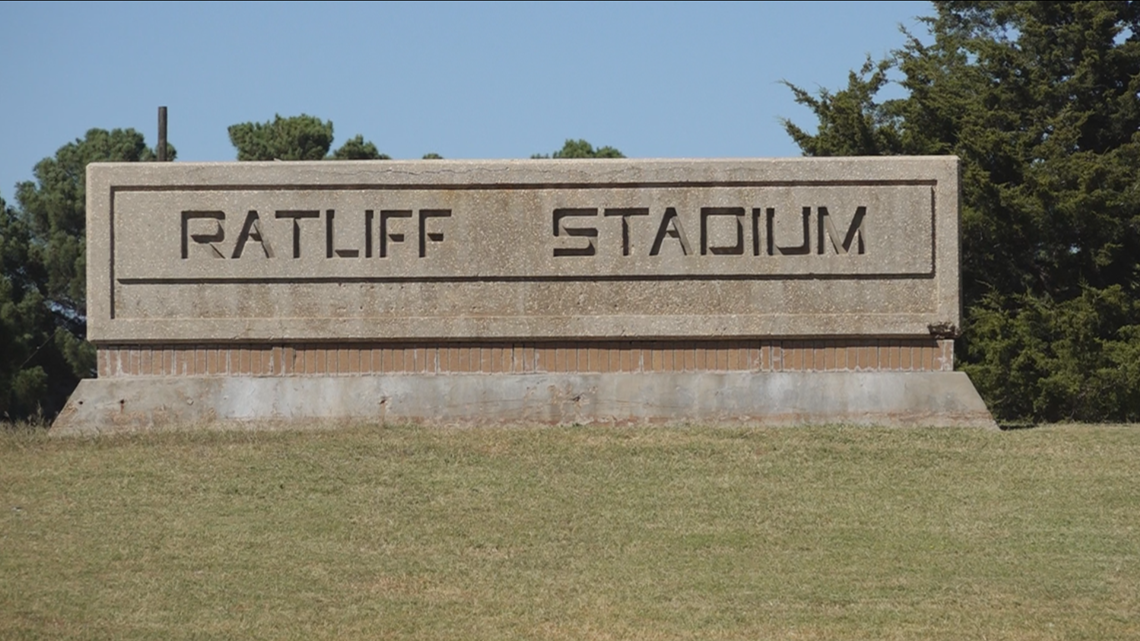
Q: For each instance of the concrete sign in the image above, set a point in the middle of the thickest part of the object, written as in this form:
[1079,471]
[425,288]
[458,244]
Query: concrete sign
[761,258]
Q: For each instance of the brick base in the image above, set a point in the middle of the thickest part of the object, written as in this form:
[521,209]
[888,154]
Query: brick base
[854,355]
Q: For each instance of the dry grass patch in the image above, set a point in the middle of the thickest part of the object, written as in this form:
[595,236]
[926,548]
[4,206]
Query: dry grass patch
[404,533]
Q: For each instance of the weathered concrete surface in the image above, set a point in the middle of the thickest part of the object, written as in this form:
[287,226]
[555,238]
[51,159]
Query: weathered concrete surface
[876,398]
[227,260]
[455,250]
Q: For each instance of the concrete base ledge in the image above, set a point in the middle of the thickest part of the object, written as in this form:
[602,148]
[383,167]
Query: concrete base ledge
[937,399]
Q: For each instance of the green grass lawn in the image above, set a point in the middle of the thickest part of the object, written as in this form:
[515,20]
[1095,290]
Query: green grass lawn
[570,533]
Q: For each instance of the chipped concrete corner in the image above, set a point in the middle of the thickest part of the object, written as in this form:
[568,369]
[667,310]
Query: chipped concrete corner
[488,292]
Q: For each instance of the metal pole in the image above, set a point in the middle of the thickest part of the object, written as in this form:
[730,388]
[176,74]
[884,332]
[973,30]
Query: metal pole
[162,134]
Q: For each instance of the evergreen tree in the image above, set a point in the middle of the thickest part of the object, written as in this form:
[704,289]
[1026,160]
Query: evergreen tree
[582,149]
[301,137]
[1041,101]
[359,149]
[24,323]
[43,351]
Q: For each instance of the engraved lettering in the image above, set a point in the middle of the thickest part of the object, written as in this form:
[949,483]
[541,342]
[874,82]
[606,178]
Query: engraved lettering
[670,219]
[330,248]
[770,213]
[385,235]
[433,236]
[854,230]
[716,233]
[626,213]
[804,248]
[756,211]
[217,236]
[368,215]
[731,250]
[251,230]
[297,215]
[591,233]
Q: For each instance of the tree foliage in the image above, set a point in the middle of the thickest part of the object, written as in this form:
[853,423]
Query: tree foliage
[23,320]
[582,149]
[1041,102]
[357,148]
[301,137]
[43,351]
[54,207]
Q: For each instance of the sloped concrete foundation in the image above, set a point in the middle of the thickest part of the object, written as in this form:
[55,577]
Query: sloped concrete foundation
[927,399]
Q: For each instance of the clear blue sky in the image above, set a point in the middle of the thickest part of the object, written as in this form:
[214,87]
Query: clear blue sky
[464,80]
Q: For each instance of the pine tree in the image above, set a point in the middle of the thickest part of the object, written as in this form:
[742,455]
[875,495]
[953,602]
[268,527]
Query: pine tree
[43,351]
[1041,101]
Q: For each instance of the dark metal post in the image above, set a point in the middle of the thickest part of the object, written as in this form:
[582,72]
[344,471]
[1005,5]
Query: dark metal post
[162,134]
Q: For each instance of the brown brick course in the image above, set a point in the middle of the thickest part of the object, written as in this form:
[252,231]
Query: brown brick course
[524,357]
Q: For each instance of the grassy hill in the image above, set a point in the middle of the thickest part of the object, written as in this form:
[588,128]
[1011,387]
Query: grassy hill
[570,533]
